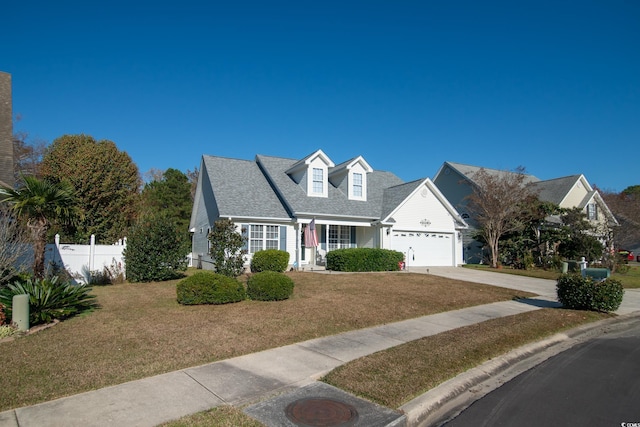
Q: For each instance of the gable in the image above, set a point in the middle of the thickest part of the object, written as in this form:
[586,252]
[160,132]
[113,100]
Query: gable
[423,207]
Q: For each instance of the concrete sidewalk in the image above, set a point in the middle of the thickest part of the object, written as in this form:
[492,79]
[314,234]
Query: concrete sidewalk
[257,377]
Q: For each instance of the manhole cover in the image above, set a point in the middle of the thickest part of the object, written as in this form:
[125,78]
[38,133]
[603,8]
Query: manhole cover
[321,412]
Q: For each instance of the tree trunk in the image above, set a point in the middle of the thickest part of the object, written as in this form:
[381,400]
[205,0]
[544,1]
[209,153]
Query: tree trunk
[39,230]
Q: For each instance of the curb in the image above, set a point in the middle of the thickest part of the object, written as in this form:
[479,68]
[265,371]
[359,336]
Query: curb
[446,401]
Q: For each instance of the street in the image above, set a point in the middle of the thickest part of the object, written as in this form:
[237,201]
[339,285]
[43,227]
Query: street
[596,383]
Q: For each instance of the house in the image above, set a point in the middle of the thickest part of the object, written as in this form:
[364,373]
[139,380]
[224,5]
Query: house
[272,200]
[456,181]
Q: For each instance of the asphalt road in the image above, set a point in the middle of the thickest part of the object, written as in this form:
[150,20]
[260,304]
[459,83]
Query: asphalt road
[596,383]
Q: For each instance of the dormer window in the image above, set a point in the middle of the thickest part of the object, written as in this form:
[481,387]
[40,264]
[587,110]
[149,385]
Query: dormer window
[357,185]
[350,177]
[318,181]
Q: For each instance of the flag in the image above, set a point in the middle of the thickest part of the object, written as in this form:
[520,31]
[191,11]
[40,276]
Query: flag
[310,236]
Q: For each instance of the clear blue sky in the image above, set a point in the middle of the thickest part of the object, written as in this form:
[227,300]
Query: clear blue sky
[553,86]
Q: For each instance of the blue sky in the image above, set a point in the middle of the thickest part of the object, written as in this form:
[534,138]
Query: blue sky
[553,86]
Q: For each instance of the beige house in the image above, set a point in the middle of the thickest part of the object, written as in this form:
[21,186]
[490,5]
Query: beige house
[455,181]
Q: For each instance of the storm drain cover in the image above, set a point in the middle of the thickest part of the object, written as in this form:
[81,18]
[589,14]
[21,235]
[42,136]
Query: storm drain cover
[321,412]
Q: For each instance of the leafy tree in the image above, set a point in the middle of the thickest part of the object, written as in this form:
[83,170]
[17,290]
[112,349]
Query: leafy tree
[227,248]
[171,194]
[582,240]
[41,203]
[496,203]
[155,250]
[107,185]
[536,241]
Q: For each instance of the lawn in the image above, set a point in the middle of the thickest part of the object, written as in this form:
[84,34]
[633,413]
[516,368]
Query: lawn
[140,330]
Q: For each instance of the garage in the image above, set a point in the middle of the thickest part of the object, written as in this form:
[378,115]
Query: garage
[425,249]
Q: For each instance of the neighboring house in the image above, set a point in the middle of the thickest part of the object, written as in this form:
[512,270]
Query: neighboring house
[272,200]
[455,180]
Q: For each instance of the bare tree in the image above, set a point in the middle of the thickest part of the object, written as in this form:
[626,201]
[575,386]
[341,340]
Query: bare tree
[625,206]
[496,204]
[15,249]
[27,156]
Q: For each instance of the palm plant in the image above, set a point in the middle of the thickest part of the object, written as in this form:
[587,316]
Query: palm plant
[41,203]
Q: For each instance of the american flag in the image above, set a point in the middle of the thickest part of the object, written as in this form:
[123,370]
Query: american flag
[310,236]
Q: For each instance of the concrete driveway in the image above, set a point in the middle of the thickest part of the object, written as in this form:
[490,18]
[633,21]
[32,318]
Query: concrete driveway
[543,287]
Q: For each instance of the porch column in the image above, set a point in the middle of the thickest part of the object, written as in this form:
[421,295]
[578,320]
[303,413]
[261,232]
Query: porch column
[298,230]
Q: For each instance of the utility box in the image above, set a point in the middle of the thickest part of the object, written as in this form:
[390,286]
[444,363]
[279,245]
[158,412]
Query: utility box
[20,312]
[596,273]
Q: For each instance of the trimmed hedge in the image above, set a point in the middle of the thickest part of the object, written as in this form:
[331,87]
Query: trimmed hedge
[269,286]
[270,260]
[209,288]
[364,259]
[583,293]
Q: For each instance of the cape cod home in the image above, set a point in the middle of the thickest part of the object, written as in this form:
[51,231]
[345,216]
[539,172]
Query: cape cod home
[456,181]
[272,201]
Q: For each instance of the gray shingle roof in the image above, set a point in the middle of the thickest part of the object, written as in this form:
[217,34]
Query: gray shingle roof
[554,190]
[468,171]
[337,203]
[255,198]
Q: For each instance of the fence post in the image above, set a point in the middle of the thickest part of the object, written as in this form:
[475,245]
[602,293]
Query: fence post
[57,251]
[92,252]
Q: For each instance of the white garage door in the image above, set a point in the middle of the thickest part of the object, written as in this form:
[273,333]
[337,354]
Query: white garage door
[425,249]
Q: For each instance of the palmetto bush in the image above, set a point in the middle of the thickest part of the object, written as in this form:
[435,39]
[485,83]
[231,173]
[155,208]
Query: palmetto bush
[49,299]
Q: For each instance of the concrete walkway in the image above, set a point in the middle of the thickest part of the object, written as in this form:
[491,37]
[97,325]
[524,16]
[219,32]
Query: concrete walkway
[255,377]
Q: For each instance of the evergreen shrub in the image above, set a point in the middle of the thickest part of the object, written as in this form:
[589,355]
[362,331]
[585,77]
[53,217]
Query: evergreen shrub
[270,260]
[206,287]
[156,250]
[584,293]
[269,286]
[364,259]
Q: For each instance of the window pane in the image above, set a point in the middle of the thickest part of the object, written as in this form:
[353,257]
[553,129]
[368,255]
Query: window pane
[318,181]
[357,185]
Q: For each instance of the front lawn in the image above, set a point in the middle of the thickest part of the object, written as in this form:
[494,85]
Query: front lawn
[140,330]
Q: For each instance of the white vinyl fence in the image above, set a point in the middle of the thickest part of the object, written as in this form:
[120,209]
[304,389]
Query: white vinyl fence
[82,260]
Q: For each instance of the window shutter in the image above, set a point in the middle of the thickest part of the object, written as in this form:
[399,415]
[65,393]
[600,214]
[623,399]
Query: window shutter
[283,237]
[244,230]
[353,237]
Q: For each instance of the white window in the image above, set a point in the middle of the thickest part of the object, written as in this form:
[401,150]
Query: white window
[339,237]
[592,211]
[357,185]
[263,237]
[318,181]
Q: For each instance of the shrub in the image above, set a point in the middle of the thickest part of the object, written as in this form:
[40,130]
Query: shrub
[583,293]
[3,317]
[364,259]
[209,288]
[269,286]
[49,299]
[227,248]
[270,260]
[156,250]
